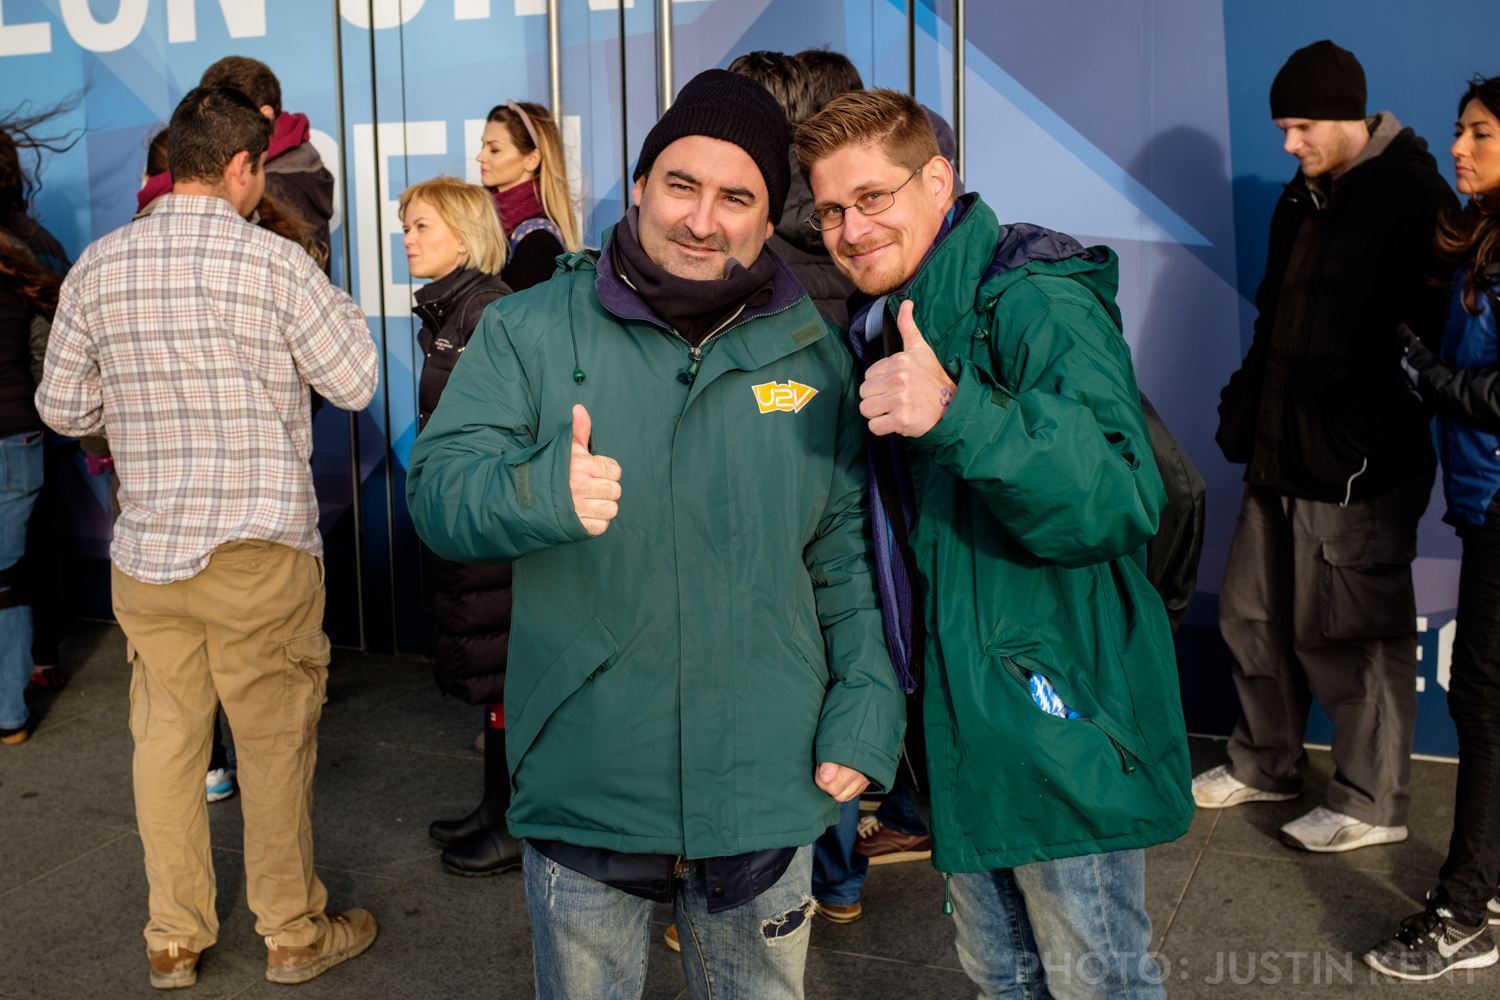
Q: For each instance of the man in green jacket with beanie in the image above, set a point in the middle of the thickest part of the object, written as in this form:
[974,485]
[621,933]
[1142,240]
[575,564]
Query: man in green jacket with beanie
[1013,493]
[697,673]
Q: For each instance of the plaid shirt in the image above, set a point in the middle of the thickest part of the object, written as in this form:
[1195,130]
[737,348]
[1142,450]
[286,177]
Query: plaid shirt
[189,339]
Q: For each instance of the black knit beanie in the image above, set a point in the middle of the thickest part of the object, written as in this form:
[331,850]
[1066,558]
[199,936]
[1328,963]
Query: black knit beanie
[737,109]
[1321,82]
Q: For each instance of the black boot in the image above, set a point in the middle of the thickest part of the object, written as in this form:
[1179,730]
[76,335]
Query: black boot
[456,832]
[491,812]
[497,851]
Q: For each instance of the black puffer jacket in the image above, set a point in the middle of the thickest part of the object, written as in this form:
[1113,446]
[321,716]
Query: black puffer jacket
[1319,409]
[471,603]
[801,246]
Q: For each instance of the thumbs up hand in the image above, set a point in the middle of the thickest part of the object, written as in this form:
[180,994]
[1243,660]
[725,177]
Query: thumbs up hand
[593,479]
[906,393]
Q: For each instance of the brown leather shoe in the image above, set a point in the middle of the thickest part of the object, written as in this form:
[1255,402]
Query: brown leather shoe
[885,846]
[840,914]
[671,938]
[173,967]
[348,934]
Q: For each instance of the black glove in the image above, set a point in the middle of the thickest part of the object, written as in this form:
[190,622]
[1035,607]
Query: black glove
[1417,356]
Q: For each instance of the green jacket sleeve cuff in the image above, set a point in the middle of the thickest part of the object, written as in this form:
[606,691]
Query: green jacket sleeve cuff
[872,762]
[975,392]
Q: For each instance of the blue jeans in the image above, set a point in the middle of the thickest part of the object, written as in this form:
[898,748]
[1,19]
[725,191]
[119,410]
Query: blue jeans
[591,940]
[838,872]
[1067,930]
[20,481]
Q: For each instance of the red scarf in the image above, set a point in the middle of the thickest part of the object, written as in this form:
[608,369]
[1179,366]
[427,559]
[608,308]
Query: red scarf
[155,187]
[291,131]
[518,204]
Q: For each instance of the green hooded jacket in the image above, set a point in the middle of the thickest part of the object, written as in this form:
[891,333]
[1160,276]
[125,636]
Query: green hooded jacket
[672,683]
[1036,494]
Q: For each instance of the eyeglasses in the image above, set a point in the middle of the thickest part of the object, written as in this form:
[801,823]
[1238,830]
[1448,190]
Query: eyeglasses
[870,203]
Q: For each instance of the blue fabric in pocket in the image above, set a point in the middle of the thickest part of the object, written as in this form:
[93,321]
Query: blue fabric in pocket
[1045,696]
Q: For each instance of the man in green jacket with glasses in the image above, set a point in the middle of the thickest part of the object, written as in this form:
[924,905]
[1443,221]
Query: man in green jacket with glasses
[665,438]
[1013,493]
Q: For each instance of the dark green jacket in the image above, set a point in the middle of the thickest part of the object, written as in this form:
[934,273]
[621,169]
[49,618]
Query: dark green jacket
[672,683]
[1036,495]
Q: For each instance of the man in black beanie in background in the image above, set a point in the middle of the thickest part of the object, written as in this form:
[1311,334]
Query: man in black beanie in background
[1317,594]
[698,671]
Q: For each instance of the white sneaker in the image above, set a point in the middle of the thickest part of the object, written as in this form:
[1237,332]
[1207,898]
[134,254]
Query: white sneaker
[1328,832]
[220,784]
[1494,908]
[1218,789]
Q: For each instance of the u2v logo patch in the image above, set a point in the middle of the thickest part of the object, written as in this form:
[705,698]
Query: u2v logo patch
[790,397]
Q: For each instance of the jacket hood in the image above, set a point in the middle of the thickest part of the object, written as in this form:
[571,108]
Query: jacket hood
[979,259]
[1024,249]
[1391,147]
[304,159]
[290,132]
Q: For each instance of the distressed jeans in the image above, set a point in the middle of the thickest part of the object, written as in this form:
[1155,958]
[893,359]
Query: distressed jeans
[20,481]
[1072,929]
[592,940]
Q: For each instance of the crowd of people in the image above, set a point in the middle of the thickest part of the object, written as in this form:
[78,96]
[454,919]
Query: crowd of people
[815,481]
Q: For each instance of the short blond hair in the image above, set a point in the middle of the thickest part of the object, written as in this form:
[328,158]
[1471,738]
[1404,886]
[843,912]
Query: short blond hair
[888,118]
[469,211]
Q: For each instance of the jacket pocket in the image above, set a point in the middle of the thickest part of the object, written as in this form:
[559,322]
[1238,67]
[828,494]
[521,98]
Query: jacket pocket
[140,703]
[590,650]
[1020,652]
[1367,587]
[305,678]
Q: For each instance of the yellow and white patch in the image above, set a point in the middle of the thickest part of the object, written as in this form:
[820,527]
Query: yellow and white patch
[774,396]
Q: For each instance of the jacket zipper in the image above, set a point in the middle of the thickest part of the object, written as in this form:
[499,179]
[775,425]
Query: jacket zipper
[1125,764]
[948,892]
[695,352]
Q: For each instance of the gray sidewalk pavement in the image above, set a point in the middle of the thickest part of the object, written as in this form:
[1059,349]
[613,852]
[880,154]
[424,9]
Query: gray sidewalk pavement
[1235,912]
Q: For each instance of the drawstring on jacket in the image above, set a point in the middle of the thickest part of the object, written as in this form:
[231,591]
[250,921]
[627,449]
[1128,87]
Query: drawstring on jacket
[578,375]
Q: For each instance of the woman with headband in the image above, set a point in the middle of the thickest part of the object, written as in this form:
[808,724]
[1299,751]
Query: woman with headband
[521,162]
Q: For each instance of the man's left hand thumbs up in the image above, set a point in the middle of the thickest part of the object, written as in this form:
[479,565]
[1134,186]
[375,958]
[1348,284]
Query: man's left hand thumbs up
[907,393]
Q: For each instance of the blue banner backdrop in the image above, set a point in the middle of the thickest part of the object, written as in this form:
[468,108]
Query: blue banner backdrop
[1142,124]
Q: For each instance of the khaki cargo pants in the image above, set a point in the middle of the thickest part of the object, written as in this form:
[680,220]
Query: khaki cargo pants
[246,632]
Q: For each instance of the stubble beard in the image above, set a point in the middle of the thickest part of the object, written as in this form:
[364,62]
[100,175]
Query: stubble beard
[663,256]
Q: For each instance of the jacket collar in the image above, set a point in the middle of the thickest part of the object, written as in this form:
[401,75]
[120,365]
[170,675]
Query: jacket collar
[946,282]
[616,295]
[440,294]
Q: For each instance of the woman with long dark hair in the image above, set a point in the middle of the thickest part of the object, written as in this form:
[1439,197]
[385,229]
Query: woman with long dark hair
[1463,385]
[521,162]
[28,296]
[26,136]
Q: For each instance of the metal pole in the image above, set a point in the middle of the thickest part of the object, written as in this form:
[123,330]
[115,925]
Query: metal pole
[385,366]
[358,507]
[911,47]
[664,54]
[959,32]
[554,61]
[624,120]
